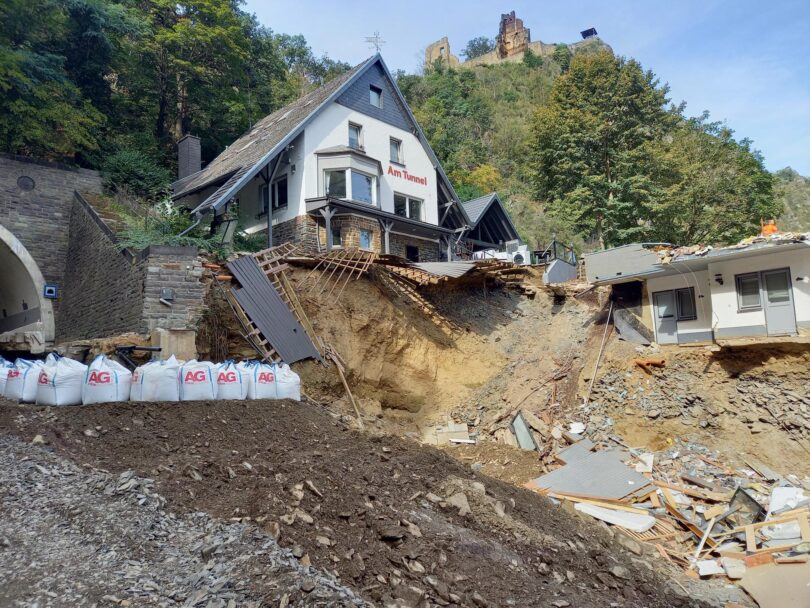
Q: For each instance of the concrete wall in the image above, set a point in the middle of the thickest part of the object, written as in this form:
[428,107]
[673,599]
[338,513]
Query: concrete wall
[699,329]
[729,321]
[40,217]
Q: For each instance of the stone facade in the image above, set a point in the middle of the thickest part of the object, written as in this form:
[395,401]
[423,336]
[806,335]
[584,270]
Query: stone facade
[103,292]
[440,50]
[513,37]
[109,290]
[35,205]
[311,235]
[178,269]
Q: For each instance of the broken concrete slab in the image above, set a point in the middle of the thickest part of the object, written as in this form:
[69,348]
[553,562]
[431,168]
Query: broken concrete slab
[596,475]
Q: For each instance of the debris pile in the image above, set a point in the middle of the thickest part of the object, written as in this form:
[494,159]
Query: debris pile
[760,399]
[694,511]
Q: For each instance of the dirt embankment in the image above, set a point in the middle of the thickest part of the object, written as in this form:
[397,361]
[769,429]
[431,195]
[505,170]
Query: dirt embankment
[389,518]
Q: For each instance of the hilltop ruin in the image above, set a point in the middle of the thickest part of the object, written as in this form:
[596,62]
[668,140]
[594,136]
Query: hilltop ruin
[511,43]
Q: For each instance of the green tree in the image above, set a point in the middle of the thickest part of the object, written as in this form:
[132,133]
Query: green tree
[477,47]
[562,55]
[42,112]
[590,142]
[713,189]
[532,59]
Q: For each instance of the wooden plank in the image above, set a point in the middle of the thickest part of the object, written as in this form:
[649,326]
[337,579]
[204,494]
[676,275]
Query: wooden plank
[804,526]
[750,539]
[702,494]
[599,503]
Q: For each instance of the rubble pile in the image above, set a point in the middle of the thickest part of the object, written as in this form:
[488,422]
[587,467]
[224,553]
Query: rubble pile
[759,400]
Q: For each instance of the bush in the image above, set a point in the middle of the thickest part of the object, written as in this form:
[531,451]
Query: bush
[137,173]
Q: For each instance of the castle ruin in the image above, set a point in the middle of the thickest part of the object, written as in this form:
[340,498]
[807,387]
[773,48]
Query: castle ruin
[511,44]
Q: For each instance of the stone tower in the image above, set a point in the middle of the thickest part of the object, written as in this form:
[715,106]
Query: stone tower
[440,50]
[512,38]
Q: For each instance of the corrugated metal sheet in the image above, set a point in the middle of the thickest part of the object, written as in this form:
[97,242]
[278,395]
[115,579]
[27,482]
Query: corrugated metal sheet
[446,269]
[263,305]
[599,474]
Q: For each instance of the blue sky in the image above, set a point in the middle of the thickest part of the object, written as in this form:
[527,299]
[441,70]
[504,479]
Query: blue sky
[747,63]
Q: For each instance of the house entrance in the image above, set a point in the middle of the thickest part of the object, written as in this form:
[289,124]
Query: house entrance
[780,317]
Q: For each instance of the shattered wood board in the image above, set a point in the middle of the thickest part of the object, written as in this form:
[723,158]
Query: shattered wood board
[779,586]
[599,474]
[577,451]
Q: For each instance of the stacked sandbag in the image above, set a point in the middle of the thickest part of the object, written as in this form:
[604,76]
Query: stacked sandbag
[288,384]
[60,381]
[197,381]
[262,381]
[106,381]
[232,381]
[5,368]
[21,382]
[157,381]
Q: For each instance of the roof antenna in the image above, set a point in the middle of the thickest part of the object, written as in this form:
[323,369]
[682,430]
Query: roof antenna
[375,42]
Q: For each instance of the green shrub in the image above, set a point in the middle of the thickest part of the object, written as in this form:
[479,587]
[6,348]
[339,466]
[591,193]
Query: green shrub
[137,173]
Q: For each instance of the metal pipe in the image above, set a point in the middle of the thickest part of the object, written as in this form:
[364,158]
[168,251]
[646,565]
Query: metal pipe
[192,227]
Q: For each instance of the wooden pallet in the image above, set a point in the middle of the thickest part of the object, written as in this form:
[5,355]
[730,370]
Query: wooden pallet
[273,263]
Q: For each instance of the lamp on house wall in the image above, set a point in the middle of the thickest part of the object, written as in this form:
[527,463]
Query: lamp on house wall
[718,278]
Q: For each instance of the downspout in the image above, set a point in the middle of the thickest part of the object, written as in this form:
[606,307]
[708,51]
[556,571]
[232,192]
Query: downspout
[193,226]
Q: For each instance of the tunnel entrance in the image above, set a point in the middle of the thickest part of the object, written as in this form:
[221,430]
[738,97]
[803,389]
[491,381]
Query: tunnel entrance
[26,317]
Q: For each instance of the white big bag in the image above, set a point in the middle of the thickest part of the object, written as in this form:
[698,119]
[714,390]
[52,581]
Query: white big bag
[197,382]
[106,381]
[157,381]
[5,368]
[232,381]
[60,381]
[21,383]
[288,384]
[262,381]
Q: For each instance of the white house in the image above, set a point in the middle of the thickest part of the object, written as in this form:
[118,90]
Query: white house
[345,165]
[755,289]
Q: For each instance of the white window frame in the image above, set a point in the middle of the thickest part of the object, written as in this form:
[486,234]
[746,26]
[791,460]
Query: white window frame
[274,193]
[377,90]
[408,199]
[747,275]
[349,194]
[370,239]
[359,127]
[400,160]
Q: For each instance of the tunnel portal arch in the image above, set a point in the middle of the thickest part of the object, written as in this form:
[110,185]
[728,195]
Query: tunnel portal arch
[26,316]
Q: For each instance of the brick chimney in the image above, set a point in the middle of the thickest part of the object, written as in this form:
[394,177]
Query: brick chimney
[189,159]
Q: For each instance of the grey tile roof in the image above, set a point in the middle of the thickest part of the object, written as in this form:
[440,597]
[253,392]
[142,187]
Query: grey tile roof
[477,206]
[251,147]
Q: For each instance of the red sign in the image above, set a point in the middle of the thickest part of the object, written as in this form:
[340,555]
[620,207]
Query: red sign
[192,377]
[13,373]
[266,378]
[402,173]
[43,377]
[226,377]
[99,378]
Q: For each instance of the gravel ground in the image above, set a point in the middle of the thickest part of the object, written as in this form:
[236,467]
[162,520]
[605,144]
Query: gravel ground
[72,536]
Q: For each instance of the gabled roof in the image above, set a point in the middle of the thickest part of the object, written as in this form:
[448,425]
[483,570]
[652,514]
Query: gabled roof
[243,159]
[476,208]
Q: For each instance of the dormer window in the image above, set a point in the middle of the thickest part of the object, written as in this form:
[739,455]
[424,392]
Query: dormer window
[375,96]
[355,136]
